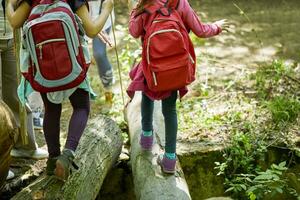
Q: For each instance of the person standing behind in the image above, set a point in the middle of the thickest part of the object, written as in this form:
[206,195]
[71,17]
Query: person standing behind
[9,83]
[59,163]
[105,69]
[139,23]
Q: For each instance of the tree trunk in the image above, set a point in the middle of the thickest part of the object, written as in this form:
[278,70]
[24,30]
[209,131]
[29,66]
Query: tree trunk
[149,182]
[8,133]
[98,150]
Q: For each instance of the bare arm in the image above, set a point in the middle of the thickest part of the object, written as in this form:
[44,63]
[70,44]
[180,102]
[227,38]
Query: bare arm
[93,27]
[17,17]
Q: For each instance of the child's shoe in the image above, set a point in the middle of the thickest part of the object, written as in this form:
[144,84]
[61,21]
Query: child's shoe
[109,98]
[64,163]
[167,165]
[146,141]
[32,154]
[51,164]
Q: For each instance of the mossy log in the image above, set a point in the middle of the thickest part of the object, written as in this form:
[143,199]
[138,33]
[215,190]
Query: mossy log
[149,182]
[8,134]
[99,148]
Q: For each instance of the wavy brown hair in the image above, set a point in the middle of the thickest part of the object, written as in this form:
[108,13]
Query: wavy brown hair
[141,5]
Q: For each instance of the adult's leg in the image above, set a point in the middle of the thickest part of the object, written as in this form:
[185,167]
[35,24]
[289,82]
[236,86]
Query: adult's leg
[147,113]
[9,92]
[104,67]
[171,125]
[51,126]
[81,108]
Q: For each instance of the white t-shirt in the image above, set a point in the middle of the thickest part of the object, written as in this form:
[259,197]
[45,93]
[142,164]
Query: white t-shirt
[94,11]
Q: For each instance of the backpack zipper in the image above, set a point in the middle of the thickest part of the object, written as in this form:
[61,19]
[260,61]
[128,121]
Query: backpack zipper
[155,33]
[40,45]
[191,58]
[154,78]
[148,44]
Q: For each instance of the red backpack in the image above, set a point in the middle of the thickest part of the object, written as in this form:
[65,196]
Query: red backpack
[168,53]
[55,53]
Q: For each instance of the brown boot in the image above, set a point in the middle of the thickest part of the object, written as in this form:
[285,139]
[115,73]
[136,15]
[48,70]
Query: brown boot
[109,98]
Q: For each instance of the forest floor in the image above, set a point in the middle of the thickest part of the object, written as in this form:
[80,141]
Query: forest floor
[248,80]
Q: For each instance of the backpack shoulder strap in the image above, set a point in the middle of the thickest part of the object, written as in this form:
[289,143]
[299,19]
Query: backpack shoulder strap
[172,4]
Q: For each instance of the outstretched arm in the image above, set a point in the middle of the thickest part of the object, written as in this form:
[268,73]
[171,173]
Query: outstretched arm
[194,23]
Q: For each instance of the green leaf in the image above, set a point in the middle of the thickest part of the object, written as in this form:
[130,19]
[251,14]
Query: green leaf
[252,196]
[251,189]
[243,186]
[282,164]
[279,190]
[264,177]
[229,189]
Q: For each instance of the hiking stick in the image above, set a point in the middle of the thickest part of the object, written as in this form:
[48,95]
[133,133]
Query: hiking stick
[22,109]
[117,55]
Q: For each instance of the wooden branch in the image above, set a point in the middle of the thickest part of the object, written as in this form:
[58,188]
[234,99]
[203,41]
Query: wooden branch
[99,148]
[22,109]
[150,183]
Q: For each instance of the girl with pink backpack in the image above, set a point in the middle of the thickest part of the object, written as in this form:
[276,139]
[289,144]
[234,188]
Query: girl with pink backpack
[162,61]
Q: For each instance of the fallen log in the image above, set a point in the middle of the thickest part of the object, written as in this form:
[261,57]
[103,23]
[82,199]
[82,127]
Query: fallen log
[149,182]
[99,148]
[8,134]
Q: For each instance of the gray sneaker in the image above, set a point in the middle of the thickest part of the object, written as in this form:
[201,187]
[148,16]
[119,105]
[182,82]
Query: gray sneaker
[64,164]
[34,154]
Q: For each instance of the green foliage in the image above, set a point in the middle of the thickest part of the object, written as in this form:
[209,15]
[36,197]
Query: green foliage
[270,78]
[284,109]
[270,182]
[261,184]
[131,51]
[244,179]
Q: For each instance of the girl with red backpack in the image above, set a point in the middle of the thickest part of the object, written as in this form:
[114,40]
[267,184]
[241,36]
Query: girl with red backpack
[167,65]
[60,163]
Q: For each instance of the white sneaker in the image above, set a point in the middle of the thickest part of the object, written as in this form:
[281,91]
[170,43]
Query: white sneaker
[34,154]
[10,175]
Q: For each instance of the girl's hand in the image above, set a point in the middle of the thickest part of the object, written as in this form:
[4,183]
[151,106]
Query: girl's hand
[223,24]
[108,5]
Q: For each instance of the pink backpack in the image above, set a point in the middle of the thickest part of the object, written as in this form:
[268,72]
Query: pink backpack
[55,53]
[168,53]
